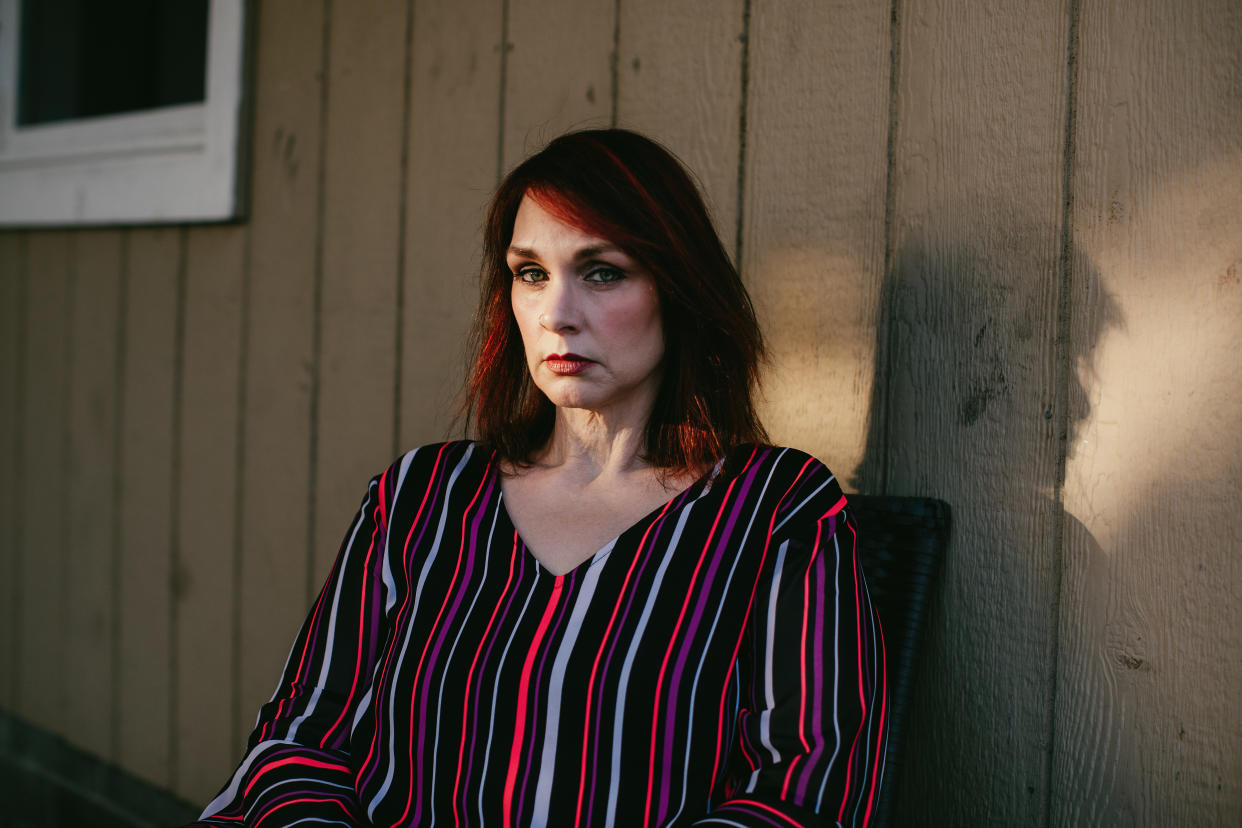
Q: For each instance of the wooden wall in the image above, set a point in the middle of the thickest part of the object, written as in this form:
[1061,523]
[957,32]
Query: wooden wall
[998,252]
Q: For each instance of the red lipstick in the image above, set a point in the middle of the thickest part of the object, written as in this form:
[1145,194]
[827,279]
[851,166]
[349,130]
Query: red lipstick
[567,365]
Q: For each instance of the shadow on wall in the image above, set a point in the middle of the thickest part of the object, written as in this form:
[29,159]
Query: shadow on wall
[965,407]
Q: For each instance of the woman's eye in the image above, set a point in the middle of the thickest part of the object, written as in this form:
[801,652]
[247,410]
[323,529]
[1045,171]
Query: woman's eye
[605,275]
[530,275]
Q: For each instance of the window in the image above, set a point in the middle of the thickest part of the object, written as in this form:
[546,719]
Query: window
[120,112]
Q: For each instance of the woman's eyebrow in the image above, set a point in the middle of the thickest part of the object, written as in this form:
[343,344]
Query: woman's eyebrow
[585,253]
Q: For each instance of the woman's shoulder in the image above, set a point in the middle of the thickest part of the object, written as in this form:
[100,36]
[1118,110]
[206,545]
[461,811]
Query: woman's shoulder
[804,487]
[450,456]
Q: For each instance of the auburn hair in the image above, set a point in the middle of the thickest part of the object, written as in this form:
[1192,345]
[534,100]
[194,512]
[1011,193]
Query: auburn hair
[625,188]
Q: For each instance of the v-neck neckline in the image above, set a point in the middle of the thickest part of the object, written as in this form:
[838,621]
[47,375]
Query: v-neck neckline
[697,489]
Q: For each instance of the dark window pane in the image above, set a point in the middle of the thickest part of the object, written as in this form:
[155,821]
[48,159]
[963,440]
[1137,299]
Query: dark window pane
[82,58]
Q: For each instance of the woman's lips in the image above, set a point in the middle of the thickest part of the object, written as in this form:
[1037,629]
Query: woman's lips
[567,364]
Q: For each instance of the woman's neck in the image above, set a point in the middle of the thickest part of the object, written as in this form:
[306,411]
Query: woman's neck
[593,445]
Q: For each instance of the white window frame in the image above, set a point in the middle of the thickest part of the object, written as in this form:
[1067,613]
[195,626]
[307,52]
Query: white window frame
[175,164]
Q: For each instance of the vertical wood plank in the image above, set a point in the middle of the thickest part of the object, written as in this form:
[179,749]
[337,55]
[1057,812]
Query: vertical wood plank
[1147,728]
[44,457]
[279,371]
[203,580]
[559,72]
[977,218]
[95,305]
[455,95]
[813,240]
[362,193]
[12,306]
[679,80]
[147,504]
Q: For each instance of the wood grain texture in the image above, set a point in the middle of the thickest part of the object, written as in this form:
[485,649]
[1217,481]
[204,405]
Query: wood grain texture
[45,404]
[1147,724]
[976,274]
[90,513]
[279,370]
[813,241]
[147,427]
[452,151]
[202,586]
[12,303]
[559,72]
[361,225]
[679,80]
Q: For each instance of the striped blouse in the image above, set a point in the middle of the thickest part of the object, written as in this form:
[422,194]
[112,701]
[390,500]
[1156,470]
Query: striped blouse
[718,663]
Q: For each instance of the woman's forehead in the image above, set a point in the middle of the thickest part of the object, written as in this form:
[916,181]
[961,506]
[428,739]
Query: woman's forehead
[536,226]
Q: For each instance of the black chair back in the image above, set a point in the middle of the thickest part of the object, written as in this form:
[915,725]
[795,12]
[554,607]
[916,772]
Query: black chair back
[901,542]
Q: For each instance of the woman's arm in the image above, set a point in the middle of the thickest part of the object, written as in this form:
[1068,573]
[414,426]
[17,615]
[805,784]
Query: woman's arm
[812,731]
[297,763]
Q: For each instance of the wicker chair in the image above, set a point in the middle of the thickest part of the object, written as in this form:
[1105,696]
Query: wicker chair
[901,541]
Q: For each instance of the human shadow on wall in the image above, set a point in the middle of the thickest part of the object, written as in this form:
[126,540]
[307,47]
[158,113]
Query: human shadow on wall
[965,408]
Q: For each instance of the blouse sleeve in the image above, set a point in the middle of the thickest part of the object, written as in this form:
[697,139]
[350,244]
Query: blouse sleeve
[297,763]
[812,728]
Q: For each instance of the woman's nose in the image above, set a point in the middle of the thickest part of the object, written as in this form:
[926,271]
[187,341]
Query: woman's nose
[560,306]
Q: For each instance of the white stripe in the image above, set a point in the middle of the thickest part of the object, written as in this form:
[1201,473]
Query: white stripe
[543,786]
[836,667]
[390,583]
[433,552]
[504,654]
[706,648]
[330,641]
[613,778]
[769,690]
[435,745]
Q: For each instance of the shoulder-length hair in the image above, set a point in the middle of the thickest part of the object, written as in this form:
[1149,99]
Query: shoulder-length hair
[623,187]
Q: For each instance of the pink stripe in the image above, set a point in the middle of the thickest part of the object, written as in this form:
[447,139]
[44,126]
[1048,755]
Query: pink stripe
[519,732]
[668,651]
[465,705]
[838,506]
[347,706]
[879,741]
[292,760]
[405,603]
[805,690]
[862,700]
[416,685]
[764,807]
[335,802]
[605,640]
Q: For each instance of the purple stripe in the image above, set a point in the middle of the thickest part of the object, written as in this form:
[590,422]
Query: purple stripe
[482,668]
[533,721]
[447,622]
[817,712]
[740,497]
[644,557]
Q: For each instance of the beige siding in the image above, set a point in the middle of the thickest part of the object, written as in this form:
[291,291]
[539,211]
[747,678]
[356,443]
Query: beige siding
[452,158]
[283,267]
[813,236]
[998,256]
[679,68]
[978,159]
[205,546]
[90,551]
[1148,729]
[357,311]
[44,460]
[558,72]
[12,304]
[154,282]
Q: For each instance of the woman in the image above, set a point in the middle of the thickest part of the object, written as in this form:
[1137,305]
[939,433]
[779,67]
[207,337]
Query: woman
[618,606]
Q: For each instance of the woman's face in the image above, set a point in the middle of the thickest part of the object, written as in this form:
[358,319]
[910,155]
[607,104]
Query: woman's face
[589,317]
